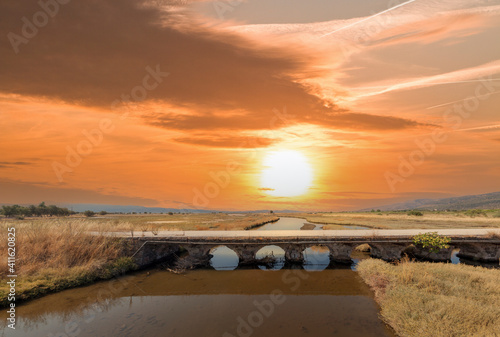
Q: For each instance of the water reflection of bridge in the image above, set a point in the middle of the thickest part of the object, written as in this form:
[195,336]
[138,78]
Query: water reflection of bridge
[384,244]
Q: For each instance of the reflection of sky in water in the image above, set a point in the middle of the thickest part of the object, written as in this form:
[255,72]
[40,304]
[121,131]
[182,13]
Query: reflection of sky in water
[273,251]
[224,258]
[316,258]
[216,315]
[207,303]
[454,258]
[286,224]
[296,224]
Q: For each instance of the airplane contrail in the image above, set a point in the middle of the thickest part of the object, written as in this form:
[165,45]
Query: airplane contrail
[486,127]
[368,18]
[460,100]
[414,85]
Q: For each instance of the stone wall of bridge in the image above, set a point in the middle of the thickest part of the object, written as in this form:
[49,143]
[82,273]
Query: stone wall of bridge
[147,251]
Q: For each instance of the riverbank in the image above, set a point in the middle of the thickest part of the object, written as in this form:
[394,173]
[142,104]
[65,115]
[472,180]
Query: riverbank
[435,299]
[400,220]
[262,222]
[53,254]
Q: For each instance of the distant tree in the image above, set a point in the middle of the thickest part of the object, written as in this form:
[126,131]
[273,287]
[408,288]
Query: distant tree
[373,211]
[170,213]
[9,211]
[88,213]
[378,210]
[33,210]
[271,211]
[26,211]
[415,213]
[53,210]
[42,209]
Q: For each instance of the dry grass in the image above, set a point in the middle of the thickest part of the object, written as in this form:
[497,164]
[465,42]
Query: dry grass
[391,220]
[362,248]
[493,235]
[434,299]
[57,254]
[164,222]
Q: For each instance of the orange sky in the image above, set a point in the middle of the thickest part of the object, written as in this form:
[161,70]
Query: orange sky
[144,104]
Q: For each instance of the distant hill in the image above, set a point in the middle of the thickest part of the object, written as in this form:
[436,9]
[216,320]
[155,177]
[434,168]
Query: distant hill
[142,209]
[483,201]
[129,209]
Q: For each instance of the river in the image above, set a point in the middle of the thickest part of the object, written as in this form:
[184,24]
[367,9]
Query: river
[205,302]
[285,223]
[317,299]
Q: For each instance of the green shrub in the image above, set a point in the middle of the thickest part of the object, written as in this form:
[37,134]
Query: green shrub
[496,214]
[432,241]
[475,212]
[89,214]
[415,213]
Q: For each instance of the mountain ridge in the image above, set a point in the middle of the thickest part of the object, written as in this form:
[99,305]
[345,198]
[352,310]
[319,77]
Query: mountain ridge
[483,201]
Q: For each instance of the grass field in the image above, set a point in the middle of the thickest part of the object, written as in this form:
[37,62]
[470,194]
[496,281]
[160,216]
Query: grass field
[149,222]
[56,254]
[400,220]
[421,299]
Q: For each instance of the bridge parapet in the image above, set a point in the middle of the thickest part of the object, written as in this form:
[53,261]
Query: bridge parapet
[148,250]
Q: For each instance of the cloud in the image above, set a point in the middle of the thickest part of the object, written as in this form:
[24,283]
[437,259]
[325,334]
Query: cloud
[227,141]
[12,164]
[453,24]
[345,120]
[21,192]
[481,74]
[94,52]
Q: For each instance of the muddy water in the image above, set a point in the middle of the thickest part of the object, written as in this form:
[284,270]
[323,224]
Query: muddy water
[242,302]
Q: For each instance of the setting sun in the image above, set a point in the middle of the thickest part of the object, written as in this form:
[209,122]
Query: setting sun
[286,173]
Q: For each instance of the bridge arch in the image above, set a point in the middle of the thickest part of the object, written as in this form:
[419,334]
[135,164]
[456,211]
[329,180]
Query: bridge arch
[316,257]
[223,257]
[361,251]
[271,257]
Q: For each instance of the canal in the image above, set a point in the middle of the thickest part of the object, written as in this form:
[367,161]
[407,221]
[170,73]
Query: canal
[206,302]
[286,223]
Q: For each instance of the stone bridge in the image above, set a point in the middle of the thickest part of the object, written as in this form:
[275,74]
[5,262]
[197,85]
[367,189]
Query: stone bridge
[388,245]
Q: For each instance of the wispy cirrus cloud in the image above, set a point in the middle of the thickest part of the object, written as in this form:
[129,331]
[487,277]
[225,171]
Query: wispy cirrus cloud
[235,141]
[212,72]
[472,74]
[13,164]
